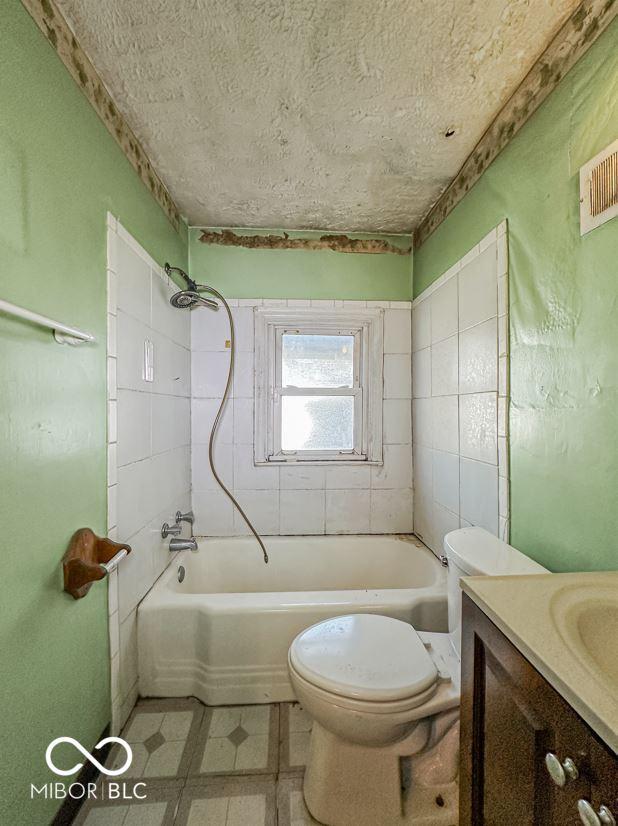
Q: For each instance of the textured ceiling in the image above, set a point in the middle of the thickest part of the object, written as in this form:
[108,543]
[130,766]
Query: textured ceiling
[327,114]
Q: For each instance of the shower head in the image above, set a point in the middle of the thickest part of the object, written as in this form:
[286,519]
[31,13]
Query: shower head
[189,298]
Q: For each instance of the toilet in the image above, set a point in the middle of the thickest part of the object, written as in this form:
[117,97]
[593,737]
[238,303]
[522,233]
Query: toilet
[384,699]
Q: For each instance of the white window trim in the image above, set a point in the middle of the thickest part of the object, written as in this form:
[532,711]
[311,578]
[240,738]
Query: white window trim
[367,325]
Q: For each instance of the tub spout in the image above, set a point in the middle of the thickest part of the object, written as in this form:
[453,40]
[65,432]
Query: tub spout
[182,544]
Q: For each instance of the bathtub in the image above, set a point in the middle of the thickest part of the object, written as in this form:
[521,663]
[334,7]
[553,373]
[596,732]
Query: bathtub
[223,633]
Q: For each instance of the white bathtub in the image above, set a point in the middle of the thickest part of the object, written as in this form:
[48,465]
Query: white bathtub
[223,634]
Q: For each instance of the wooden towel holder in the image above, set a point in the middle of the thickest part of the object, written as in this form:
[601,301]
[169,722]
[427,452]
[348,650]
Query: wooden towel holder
[88,558]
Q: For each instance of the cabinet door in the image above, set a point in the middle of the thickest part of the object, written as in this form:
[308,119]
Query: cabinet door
[511,719]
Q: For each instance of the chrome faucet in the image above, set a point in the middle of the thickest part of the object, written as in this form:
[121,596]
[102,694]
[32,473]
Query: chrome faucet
[185,517]
[170,530]
[183,545]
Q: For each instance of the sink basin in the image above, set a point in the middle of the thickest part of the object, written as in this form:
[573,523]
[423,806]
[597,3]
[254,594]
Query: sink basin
[586,617]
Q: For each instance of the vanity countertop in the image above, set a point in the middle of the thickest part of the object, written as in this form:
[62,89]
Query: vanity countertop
[566,625]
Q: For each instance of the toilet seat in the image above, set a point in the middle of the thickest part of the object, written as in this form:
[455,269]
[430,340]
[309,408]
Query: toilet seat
[366,658]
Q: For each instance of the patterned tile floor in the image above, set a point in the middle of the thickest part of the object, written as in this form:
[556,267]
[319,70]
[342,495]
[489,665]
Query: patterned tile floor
[230,766]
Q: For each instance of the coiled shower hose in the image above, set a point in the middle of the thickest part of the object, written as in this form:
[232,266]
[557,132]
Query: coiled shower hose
[215,425]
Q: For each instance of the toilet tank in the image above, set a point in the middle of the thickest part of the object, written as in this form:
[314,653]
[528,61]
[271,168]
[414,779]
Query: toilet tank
[476,552]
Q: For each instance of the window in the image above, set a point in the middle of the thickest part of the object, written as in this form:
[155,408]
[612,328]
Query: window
[318,385]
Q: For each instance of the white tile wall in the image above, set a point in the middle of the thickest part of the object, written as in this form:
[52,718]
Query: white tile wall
[461,362]
[149,435]
[296,499]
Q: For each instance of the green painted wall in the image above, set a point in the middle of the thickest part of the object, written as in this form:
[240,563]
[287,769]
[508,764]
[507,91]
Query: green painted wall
[564,330]
[253,273]
[60,171]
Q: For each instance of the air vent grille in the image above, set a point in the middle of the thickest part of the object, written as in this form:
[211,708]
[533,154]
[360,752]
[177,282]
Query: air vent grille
[604,185]
[599,189]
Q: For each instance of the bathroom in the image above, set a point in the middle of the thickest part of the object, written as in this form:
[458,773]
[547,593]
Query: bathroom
[328,585]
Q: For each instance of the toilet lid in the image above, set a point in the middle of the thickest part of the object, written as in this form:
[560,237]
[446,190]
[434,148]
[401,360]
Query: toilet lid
[364,656]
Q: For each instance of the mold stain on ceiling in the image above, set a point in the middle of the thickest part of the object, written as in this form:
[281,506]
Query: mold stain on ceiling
[315,114]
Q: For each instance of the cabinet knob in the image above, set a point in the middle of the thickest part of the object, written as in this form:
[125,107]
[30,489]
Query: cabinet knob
[560,772]
[589,817]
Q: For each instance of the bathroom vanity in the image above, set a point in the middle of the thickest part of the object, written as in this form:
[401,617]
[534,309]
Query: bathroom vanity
[539,705]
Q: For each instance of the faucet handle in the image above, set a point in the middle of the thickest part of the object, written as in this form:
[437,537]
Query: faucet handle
[170,530]
[185,517]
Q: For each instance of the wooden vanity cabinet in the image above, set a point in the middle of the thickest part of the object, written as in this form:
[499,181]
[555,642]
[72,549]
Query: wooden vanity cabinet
[511,718]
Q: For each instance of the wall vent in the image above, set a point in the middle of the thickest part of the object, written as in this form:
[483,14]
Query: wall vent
[598,189]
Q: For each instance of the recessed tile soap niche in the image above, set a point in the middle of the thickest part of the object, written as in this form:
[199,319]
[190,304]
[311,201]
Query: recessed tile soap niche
[460,395]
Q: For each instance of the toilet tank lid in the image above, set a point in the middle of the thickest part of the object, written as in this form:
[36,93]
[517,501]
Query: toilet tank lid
[479,553]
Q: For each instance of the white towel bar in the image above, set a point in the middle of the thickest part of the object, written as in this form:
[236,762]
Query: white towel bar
[62,333]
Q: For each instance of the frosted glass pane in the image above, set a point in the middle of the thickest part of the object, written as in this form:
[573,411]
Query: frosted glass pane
[317,422]
[317,361]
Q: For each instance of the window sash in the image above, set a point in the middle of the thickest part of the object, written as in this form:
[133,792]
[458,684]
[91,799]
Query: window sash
[366,326]
[276,451]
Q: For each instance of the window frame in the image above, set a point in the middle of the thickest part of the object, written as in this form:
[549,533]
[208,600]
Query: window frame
[366,325]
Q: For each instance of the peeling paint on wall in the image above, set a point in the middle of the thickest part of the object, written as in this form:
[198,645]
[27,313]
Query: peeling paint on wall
[336,243]
[577,35]
[55,28]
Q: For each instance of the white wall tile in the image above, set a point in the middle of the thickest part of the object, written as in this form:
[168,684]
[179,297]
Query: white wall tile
[397,421]
[135,573]
[112,507]
[421,373]
[445,423]
[444,367]
[422,422]
[172,323]
[396,472]
[302,511]
[213,513]
[203,412]
[262,508]
[479,494]
[302,477]
[243,376]
[443,522]
[133,275]
[112,463]
[478,426]
[478,289]
[131,335]
[347,511]
[423,470]
[243,329]
[201,474]
[112,421]
[249,477]
[444,311]
[243,421]
[171,422]
[446,480]
[421,326]
[397,331]
[503,496]
[128,653]
[112,382]
[348,477]
[209,374]
[478,358]
[397,377]
[172,367]
[134,426]
[460,442]
[210,330]
[391,511]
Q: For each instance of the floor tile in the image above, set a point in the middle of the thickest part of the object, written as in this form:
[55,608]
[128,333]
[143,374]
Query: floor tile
[291,808]
[224,801]
[237,740]
[163,736]
[157,809]
[295,736]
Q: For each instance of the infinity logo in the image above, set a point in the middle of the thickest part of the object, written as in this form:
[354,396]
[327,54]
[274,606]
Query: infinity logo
[88,756]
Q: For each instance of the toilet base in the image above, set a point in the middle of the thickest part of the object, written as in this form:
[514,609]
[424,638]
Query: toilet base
[347,784]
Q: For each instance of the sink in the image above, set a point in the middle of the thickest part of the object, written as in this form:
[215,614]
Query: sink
[586,617]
